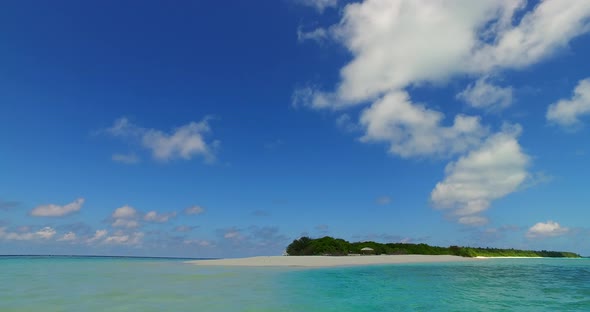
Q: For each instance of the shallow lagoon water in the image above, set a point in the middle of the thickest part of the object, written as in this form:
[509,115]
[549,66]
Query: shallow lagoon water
[124,284]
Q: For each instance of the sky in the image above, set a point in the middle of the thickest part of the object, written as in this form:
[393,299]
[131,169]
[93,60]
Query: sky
[227,129]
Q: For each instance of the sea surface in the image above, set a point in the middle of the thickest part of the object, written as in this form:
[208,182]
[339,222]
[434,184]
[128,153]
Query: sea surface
[135,284]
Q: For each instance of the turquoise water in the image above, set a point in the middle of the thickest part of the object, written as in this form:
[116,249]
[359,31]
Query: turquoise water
[121,284]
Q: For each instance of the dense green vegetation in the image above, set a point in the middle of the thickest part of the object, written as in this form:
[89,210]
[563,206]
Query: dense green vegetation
[338,247]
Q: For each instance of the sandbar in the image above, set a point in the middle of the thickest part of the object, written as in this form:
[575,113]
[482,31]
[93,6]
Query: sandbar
[329,261]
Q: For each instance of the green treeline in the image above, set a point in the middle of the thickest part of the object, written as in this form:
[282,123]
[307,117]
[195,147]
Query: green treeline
[338,247]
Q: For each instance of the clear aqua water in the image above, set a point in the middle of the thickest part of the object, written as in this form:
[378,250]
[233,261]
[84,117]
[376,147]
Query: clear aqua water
[119,284]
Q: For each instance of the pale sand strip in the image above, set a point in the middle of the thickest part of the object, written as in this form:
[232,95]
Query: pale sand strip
[327,261]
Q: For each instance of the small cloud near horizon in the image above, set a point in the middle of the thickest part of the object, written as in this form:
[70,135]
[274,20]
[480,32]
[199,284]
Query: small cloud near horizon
[52,210]
[185,228]
[194,210]
[383,200]
[127,159]
[546,229]
[261,213]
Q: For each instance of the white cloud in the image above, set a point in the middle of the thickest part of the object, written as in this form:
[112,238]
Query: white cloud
[399,43]
[473,220]
[319,5]
[383,200]
[319,35]
[124,212]
[536,178]
[124,128]
[306,96]
[120,238]
[15,236]
[414,130]
[23,228]
[70,236]
[548,229]
[232,234]
[130,224]
[496,169]
[252,240]
[117,239]
[198,242]
[46,232]
[184,142]
[153,216]
[393,42]
[98,235]
[485,95]
[540,33]
[194,210]
[52,210]
[345,123]
[128,159]
[125,216]
[566,113]
[261,213]
[184,228]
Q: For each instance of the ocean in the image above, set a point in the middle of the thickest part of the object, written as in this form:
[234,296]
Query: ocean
[145,284]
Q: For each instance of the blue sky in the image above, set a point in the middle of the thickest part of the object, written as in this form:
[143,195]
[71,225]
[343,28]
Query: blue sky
[203,129]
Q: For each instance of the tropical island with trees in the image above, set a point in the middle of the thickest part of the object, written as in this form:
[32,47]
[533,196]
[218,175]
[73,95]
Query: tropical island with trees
[329,246]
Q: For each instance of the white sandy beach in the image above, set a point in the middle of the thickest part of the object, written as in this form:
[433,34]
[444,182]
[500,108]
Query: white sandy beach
[328,261]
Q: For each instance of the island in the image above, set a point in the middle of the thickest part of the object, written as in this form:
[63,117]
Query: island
[329,246]
[331,252]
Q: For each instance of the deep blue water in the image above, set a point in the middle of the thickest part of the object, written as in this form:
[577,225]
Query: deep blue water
[135,284]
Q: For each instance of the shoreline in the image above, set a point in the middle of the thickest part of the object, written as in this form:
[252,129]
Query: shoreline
[509,257]
[329,261]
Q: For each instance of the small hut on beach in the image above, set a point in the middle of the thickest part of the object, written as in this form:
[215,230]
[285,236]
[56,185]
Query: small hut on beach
[367,251]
